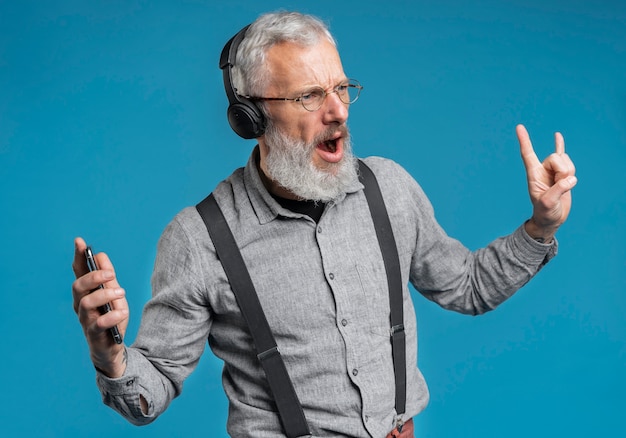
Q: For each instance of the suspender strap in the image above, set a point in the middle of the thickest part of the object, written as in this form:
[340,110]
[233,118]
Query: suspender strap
[289,407]
[387,243]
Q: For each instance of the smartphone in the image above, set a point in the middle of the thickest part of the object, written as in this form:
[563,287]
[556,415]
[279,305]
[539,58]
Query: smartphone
[92,266]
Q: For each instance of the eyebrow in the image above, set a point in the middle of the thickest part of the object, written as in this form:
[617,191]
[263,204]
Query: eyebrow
[316,87]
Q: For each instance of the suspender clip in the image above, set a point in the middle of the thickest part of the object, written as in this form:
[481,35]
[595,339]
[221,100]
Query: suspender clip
[268,353]
[399,424]
[397,329]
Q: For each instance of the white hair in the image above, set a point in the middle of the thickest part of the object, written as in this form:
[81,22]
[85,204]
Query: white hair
[250,74]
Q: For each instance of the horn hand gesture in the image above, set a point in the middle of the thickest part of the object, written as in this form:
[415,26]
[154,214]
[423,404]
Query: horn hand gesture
[549,185]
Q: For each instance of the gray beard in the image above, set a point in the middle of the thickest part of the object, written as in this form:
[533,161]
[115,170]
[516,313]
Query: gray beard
[289,163]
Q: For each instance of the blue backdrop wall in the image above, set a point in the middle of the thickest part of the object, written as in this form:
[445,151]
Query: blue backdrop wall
[112,119]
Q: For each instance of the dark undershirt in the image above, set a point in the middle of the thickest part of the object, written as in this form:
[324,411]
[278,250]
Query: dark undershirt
[313,209]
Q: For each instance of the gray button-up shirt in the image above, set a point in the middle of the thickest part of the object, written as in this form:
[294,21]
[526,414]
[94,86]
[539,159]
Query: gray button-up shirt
[324,291]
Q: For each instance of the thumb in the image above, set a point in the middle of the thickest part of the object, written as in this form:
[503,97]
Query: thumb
[78,264]
[553,195]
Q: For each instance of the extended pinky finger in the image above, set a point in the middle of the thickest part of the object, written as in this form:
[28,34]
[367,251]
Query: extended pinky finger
[559,143]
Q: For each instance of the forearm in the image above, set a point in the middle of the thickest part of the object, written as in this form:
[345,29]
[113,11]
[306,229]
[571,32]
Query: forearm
[508,263]
[476,282]
[141,393]
[112,367]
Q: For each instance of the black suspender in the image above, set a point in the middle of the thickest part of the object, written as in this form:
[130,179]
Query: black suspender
[387,243]
[289,408]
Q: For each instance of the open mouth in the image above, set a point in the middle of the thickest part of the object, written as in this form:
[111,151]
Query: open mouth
[328,146]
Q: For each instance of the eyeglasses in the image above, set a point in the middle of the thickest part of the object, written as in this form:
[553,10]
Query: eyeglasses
[313,99]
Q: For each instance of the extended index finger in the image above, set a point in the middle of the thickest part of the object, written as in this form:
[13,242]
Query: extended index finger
[526,148]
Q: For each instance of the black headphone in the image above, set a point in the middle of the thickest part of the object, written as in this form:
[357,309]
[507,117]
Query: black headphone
[244,115]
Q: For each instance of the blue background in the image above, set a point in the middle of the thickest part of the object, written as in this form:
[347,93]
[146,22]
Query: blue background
[112,119]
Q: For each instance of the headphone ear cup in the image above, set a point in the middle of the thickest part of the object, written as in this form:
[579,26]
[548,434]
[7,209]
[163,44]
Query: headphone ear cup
[246,119]
[244,116]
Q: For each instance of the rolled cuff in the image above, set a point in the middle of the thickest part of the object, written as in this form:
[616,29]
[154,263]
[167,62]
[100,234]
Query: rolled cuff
[123,394]
[531,251]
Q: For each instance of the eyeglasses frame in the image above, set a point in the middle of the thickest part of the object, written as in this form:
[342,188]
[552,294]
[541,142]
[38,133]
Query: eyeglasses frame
[350,83]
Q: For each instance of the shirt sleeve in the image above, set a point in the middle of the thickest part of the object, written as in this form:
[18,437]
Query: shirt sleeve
[172,336]
[123,394]
[446,272]
[477,282]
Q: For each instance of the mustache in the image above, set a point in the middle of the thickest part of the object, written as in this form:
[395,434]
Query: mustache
[273,133]
[331,133]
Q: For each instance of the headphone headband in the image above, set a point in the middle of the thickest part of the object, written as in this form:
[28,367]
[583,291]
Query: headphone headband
[244,116]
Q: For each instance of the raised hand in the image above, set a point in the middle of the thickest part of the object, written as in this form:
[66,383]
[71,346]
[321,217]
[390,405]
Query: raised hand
[549,185]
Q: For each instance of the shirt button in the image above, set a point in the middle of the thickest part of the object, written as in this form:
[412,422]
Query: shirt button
[344,322]
[355,372]
[331,276]
[319,230]
[130,382]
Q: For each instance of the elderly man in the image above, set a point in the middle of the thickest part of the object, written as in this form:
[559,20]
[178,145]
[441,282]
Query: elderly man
[304,229]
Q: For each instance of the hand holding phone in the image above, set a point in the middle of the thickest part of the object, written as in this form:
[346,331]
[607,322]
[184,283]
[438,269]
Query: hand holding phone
[92,266]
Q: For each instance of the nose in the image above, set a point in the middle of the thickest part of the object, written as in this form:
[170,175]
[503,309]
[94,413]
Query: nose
[335,111]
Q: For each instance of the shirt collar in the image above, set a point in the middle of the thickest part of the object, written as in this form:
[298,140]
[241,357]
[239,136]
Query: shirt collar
[265,206]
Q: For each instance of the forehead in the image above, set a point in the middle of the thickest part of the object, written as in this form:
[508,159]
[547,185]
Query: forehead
[293,67]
